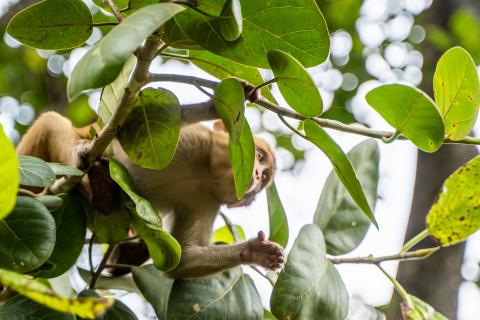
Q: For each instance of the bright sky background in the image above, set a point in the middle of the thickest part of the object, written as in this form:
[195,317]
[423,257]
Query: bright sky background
[299,189]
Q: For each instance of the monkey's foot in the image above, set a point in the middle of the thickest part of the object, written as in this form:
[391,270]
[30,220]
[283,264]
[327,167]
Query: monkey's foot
[81,151]
[264,253]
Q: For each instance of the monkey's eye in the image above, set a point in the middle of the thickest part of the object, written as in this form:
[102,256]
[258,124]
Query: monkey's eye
[264,176]
[260,155]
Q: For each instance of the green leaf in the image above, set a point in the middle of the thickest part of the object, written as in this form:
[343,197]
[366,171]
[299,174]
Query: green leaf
[176,38]
[229,101]
[242,157]
[411,112]
[456,213]
[35,172]
[267,315]
[71,224]
[63,170]
[223,68]
[52,24]
[421,311]
[231,21]
[151,131]
[295,84]
[309,286]
[108,283]
[102,64]
[154,287]
[343,223]
[342,166]
[42,294]
[112,228]
[27,236]
[278,217]
[21,308]
[163,248]
[228,295]
[9,176]
[143,207]
[225,235]
[293,26]
[113,92]
[457,92]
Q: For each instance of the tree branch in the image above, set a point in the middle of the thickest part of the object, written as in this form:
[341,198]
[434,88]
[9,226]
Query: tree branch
[402,256]
[193,113]
[98,145]
[114,10]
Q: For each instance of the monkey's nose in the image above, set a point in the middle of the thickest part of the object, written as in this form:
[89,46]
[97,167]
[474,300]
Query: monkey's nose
[257,174]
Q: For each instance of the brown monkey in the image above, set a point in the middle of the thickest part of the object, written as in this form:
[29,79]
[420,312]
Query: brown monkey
[188,192]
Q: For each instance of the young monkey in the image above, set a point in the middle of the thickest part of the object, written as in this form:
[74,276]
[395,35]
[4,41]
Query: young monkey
[188,192]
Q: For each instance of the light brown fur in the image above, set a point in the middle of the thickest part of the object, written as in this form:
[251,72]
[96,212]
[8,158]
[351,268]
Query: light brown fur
[188,192]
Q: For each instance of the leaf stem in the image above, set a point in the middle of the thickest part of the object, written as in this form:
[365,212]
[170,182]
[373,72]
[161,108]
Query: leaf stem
[291,127]
[392,138]
[398,287]
[101,266]
[415,240]
[114,10]
[231,227]
[101,24]
[266,83]
[402,256]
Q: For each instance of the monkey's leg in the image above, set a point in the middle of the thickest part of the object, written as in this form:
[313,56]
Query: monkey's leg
[51,138]
[198,261]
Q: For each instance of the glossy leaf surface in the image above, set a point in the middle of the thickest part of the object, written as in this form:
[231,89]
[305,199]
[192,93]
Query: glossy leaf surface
[35,172]
[277,217]
[242,157]
[229,101]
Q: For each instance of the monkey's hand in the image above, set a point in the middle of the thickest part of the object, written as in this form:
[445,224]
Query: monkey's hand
[265,253]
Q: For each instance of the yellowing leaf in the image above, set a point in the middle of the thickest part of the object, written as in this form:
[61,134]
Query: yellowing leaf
[456,214]
[9,176]
[35,290]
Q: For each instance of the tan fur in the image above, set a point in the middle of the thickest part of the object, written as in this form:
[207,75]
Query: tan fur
[188,192]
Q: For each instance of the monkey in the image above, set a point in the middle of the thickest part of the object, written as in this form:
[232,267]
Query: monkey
[188,192]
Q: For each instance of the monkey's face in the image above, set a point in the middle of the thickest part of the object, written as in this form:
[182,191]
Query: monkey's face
[263,172]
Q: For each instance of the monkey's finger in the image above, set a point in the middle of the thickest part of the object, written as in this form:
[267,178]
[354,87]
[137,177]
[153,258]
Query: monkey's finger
[261,236]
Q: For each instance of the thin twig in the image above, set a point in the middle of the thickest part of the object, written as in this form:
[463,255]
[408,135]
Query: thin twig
[114,10]
[262,274]
[90,256]
[194,81]
[25,192]
[119,266]
[402,256]
[101,266]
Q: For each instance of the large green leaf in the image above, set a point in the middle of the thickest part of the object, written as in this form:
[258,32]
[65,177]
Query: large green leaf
[229,295]
[343,223]
[223,68]
[231,21]
[21,308]
[309,286]
[111,228]
[277,217]
[164,250]
[52,24]
[229,101]
[295,84]
[143,207]
[457,92]
[151,131]
[421,311]
[342,166]
[36,290]
[102,64]
[9,176]
[27,236]
[154,287]
[411,112]
[293,26]
[242,157]
[456,213]
[71,224]
[113,92]
[35,172]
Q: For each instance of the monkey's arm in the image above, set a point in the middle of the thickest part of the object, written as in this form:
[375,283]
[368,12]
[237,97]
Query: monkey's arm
[198,261]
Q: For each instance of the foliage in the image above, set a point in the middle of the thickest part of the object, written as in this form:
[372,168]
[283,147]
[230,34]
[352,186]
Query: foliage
[43,235]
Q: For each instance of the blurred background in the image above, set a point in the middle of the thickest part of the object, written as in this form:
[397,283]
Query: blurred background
[372,42]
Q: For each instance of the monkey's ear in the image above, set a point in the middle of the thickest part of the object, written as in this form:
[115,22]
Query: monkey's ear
[219,126]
